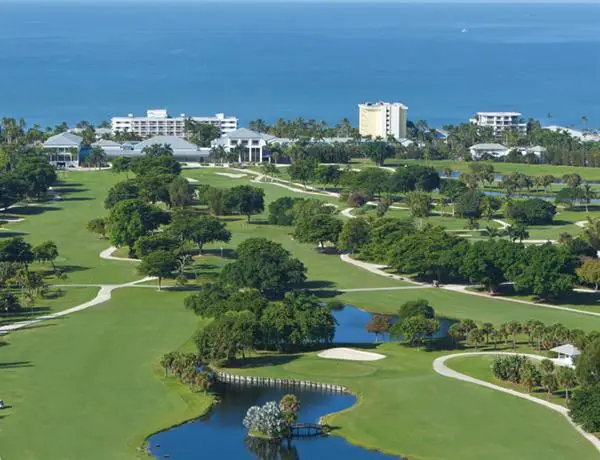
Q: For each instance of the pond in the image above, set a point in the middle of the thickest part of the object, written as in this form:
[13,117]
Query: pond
[222,434]
[352,322]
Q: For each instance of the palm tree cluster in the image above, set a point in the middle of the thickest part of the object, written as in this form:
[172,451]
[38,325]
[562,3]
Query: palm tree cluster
[539,335]
[184,366]
[521,370]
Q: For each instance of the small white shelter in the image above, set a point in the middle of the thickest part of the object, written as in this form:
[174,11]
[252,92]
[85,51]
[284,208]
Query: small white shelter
[566,353]
[495,150]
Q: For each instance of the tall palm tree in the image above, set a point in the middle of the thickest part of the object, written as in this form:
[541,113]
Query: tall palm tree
[513,328]
[588,195]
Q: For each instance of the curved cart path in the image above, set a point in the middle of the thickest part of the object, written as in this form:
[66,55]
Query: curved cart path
[439,366]
[462,288]
[104,295]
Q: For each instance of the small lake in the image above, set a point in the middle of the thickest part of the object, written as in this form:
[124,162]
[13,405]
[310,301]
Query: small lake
[221,433]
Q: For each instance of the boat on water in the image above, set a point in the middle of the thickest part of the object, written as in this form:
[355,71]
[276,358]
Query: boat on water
[464,31]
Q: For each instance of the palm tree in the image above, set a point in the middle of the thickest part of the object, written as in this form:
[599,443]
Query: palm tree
[547,366]
[566,378]
[517,232]
[495,335]
[538,332]
[487,329]
[475,337]
[588,195]
[513,328]
[549,383]
[456,333]
[530,326]
[584,120]
[530,376]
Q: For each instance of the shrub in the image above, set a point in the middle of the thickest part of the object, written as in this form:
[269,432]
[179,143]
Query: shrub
[585,408]
[531,212]
[357,200]
[509,367]
[267,420]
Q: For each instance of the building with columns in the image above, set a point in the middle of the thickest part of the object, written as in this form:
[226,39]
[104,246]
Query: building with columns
[256,144]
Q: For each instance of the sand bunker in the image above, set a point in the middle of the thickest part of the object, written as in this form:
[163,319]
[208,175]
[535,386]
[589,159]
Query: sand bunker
[350,354]
[233,176]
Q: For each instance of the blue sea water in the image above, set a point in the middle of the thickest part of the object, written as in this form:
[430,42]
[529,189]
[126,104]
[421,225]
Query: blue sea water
[269,60]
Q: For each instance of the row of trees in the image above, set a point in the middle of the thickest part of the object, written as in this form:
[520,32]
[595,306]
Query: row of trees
[520,370]
[184,366]
[24,175]
[16,256]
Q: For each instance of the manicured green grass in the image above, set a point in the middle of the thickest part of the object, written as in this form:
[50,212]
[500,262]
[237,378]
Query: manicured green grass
[458,305]
[506,168]
[88,385]
[406,409]
[57,299]
[64,222]
[480,368]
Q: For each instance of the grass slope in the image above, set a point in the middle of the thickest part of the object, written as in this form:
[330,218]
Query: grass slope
[88,386]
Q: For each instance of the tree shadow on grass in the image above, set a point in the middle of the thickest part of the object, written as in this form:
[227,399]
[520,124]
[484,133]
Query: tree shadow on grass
[262,361]
[73,268]
[325,293]
[227,253]
[77,198]
[26,210]
[15,364]
[71,188]
[317,284]
[11,234]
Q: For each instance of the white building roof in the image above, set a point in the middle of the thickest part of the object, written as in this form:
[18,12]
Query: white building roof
[245,133]
[488,147]
[499,114]
[64,140]
[107,143]
[573,132]
[176,143]
[372,105]
[567,349]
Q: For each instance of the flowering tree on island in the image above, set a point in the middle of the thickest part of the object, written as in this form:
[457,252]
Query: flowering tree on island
[267,420]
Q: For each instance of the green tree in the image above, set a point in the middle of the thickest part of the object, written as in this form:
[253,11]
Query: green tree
[588,364]
[591,232]
[207,229]
[247,200]
[159,263]
[415,329]
[132,219]
[547,366]
[566,378]
[475,337]
[96,158]
[181,192]
[419,204]
[121,164]
[452,189]
[318,230]
[412,308]
[201,134]
[531,212]
[264,265]
[46,252]
[97,226]
[455,332]
[572,180]
[589,272]
[482,265]
[329,174]
[588,195]
[513,328]
[468,205]
[378,324]
[354,235]
[289,405]
[303,170]
[530,376]
[16,250]
[378,151]
[549,383]
[281,211]
[155,242]
[585,408]
[126,190]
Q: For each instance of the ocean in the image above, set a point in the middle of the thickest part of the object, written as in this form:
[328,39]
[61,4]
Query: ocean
[269,60]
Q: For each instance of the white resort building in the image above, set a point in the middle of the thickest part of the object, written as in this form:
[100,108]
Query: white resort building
[494,150]
[182,150]
[254,142]
[500,121]
[159,123]
[382,119]
[63,150]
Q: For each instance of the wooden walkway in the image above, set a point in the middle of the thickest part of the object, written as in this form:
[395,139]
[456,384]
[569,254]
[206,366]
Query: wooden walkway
[283,383]
[307,430]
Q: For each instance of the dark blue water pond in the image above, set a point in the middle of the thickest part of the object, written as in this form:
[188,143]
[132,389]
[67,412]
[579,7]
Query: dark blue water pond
[352,322]
[222,434]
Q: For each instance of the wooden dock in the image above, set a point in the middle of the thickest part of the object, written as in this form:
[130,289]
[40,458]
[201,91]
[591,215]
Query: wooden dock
[308,430]
[278,383]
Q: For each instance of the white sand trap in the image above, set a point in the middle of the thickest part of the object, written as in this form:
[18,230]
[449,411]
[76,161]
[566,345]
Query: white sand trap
[350,354]
[233,176]
[191,180]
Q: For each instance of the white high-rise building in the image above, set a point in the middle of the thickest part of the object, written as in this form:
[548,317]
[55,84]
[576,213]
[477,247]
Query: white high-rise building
[500,121]
[159,123]
[382,119]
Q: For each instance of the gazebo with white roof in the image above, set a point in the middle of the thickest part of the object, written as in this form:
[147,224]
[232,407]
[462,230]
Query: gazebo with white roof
[566,353]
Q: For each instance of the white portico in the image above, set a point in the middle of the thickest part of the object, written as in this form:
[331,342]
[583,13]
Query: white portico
[251,144]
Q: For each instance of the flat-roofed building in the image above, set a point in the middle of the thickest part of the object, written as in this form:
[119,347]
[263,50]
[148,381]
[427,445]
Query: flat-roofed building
[158,122]
[500,121]
[382,119]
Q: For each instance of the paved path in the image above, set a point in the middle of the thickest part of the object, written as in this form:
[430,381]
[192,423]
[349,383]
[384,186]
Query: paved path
[439,366]
[107,254]
[378,270]
[104,295]
[396,288]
